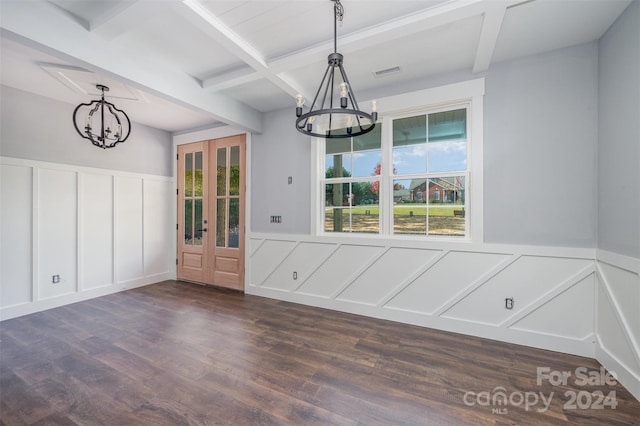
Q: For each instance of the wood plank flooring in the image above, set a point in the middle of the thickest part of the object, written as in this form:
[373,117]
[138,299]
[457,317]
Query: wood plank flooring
[181,354]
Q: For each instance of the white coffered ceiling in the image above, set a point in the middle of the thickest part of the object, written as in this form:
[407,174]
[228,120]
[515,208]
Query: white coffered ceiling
[185,64]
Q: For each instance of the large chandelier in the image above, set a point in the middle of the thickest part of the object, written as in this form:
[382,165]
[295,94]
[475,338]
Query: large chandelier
[336,115]
[101,122]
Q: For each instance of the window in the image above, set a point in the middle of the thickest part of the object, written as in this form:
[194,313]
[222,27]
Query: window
[410,176]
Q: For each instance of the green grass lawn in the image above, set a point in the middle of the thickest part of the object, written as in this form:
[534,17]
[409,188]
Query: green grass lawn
[405,209]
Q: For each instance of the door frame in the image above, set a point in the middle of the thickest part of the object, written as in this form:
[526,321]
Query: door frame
[205,135]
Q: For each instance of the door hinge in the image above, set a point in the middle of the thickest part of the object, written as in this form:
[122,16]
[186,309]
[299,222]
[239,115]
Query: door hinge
[176,260]
[177,191]
[177,156]
[176,226]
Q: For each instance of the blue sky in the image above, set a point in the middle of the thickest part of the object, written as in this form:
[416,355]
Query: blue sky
[443,157]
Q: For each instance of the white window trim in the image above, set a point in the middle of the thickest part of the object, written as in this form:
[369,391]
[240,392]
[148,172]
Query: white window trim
[471,92]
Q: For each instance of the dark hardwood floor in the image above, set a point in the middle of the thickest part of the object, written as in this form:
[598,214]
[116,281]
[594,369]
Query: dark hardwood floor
[176,353]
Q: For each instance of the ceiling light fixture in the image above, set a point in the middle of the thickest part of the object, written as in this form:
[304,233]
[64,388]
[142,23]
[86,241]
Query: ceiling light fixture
[345,119]
[102,123]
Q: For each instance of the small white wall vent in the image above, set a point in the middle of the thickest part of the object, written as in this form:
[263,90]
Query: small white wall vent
[386,72]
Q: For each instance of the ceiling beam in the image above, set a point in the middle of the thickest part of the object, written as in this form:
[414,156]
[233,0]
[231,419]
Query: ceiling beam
[202,18]
[124,16]
[491,25]
[411,24]
[41,25]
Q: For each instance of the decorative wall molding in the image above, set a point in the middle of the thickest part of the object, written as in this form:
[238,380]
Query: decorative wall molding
[618,317]
[101,231]
[448,286]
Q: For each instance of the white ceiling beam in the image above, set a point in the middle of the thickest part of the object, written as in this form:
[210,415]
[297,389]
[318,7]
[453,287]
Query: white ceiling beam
[491,25]
[418,22]
[231,79]
[122,18]
[202,18]
[40,25]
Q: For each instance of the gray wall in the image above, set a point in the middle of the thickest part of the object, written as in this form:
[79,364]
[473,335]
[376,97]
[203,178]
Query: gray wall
[540,154]
[281,151]
[619,136]
[38,128]
[540,142]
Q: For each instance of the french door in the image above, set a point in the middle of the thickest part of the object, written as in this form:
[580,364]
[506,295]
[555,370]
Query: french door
[211,210]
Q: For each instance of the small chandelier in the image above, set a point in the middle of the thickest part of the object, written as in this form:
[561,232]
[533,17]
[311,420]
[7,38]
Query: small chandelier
[340,121]
[101,122]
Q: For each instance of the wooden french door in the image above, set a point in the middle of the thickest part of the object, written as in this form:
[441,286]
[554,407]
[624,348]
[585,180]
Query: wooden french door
[211,210]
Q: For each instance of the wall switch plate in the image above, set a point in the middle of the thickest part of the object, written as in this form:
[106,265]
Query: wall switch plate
[276,219]
[55,279]
[290,180]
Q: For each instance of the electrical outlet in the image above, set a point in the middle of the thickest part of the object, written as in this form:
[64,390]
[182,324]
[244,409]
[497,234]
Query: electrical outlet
[295,275]
[290,180]
[508,303]
[55,279]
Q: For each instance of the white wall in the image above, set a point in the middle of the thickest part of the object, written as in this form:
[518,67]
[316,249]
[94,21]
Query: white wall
[618,297]
[101,231]
[38,128]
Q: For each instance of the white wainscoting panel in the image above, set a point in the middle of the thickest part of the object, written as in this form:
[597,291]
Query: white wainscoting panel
[158,212]
[618,317]
[129,223]
[15,235]
[96,230]
[101,231]
[454,287]
[57,232]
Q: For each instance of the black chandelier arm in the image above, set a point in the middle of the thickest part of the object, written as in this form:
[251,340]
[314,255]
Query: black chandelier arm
[113,108]
[302,128]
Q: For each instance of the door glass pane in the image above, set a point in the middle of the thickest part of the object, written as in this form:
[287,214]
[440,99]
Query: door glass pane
[234,179]
[188,222]
[188,175]
[198,223]
[234,222]
[221,171]
[221,210]
[198,175]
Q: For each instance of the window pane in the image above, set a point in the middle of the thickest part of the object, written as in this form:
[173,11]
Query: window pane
[234,222]
[448,125]
[446,190]
[221,171]
[410,145]
[188,222]
[337,146]
[369,140]
[221,211]
[410,218]
[447,220]
[366,163]
[234,179]
[447,156]
[365,218]
[188,175]
[197,240]
[338,165]
[410,208]
[336,220]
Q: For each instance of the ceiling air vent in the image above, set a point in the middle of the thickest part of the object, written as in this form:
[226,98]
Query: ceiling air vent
[387,72]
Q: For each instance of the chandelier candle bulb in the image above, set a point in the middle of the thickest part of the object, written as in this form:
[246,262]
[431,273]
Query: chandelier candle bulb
[374,110]
[299,104]
[343,95]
